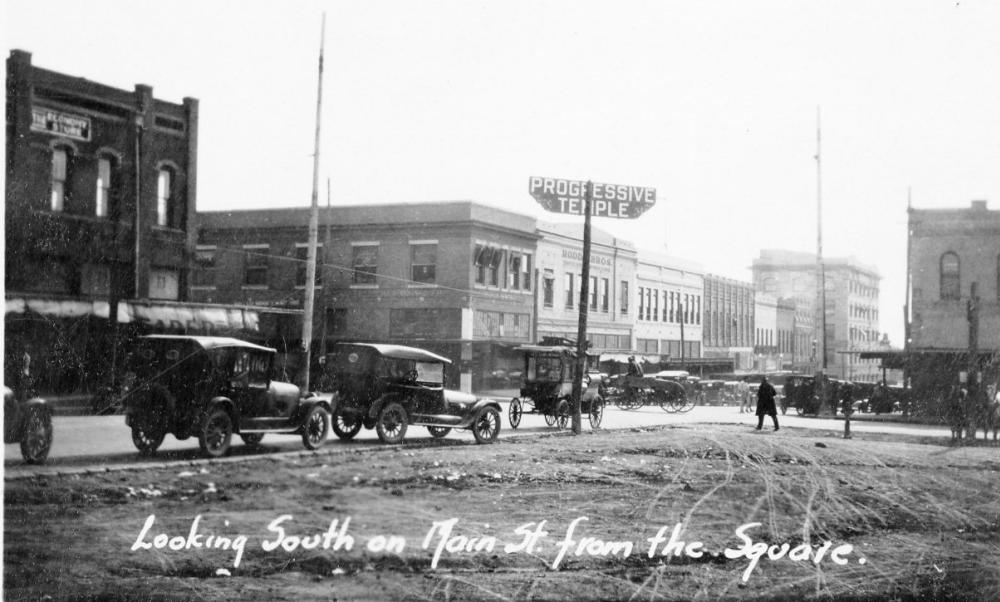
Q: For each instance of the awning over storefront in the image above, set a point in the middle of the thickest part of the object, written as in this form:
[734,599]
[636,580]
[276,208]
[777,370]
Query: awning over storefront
[159,316]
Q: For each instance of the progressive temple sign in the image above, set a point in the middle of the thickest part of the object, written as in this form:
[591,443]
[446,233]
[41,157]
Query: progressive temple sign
[608,200]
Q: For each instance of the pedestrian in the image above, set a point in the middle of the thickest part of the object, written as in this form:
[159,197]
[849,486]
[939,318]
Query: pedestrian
[634,369]
[765,404]
[743,390]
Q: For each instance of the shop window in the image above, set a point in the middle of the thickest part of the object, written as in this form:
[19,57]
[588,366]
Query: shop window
[255,270]
[950,285]
[423,262]
[364,261]
[59,176]
[102,198]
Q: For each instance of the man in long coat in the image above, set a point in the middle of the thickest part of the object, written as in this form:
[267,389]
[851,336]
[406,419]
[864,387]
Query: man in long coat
[765,404]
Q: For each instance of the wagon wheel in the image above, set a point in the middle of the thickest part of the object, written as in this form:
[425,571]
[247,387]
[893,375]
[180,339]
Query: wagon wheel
[550,418]
[486,425]
[665,402]
[514,413]
[562,414]
[346,426]
[438,432]
[596,412]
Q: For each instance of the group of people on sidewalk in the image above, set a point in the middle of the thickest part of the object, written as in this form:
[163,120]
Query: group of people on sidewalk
[766,405]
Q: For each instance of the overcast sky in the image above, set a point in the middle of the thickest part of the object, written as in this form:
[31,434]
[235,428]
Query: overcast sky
[714,104]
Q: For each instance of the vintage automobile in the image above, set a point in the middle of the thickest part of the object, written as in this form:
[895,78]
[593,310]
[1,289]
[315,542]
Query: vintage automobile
[28,422]
[210,388]
[389,387]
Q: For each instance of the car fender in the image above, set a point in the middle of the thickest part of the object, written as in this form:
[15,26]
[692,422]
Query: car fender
[485,402]
[225,403]
[379,403]
[308,403]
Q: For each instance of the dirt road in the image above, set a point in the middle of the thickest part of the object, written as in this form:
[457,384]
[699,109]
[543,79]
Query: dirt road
[654,513]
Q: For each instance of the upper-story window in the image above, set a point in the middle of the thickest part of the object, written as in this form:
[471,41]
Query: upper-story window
[204,266]
[164,189]
[255,270]
[489,262]
[642,303]
[302,264]
[568,290]
[102,198]
[59,176]
[605,293]
[364,260]
[950,284]
[548,288]
[423,262]
[623,309]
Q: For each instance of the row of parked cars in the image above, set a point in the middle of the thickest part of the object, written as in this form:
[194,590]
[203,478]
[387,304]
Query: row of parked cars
[213,388]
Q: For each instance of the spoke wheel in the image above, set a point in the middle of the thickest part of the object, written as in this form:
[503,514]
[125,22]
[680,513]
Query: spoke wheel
[316,427]
[391,424]
[438,432]
[216,433]
[514,413]
[37,437]
[346,426]
[147,433]
[596,413]
[562,414]
[486,425]
[550,419]
[252,439]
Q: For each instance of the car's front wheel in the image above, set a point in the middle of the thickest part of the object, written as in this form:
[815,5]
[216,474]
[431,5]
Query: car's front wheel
[486,425]
[315,428]
[37,437]
[391,424]
[216,433]
[346,426]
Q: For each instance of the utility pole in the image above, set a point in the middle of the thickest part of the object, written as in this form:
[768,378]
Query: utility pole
[310,296]
[323,275]
[581,333]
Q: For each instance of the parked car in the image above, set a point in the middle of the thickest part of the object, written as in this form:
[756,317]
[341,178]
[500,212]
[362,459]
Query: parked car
[389,387]
[28,422]
[210,388]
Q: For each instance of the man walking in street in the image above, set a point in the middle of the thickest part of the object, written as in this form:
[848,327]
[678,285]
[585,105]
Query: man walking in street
[765,404]
[743,390]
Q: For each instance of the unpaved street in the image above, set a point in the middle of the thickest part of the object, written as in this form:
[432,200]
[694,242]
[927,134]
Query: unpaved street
[639,513]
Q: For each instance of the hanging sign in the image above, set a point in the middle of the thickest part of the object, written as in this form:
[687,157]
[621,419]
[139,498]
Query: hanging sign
[609,200]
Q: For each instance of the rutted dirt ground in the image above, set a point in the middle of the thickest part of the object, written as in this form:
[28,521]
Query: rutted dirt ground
[910,518]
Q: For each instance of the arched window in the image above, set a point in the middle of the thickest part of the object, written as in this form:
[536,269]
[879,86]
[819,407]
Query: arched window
[164,196]
[950,284]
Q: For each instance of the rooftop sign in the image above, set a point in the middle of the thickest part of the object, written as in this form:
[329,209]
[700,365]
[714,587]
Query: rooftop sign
[608,200]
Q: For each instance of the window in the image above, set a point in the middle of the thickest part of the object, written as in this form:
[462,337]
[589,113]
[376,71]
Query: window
[204,266]
[479,261]
[364,260]
[593,293]
[302,261]
[666,313]
[649,304]
[255,271]
[493,270]
[656,304]
[568,289]
[60,160]
[624,298]
[697,309]
[605,285]
[526,275]
[164,184]
[673,307]
[423,262]
[950,285]
[514,270]
[642,303]
[103,196]
[548,288]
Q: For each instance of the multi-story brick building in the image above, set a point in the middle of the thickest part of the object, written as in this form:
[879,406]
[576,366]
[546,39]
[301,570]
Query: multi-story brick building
[668,317]
[728,330]
[457,278]
[852,310]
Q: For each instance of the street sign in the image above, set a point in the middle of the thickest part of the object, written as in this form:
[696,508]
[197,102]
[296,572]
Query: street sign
[608,200]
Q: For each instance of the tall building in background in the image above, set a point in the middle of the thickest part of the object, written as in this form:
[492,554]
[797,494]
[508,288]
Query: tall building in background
[728,321]
[852,310]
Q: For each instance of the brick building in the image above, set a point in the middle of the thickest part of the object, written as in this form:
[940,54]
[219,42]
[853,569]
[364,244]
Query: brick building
[668,305]
[457,278]
[728,329]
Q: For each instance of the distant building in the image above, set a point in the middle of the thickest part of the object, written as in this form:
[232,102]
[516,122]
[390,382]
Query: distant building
[669,318]
[852,310]
[728,328]
[457,278]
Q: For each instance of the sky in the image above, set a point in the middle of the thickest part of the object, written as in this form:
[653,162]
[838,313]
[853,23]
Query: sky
[717,105]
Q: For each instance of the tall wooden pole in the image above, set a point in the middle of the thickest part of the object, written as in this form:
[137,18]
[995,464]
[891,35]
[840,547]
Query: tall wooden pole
[325,273]
[581,333]
[820,268]
[307,319]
